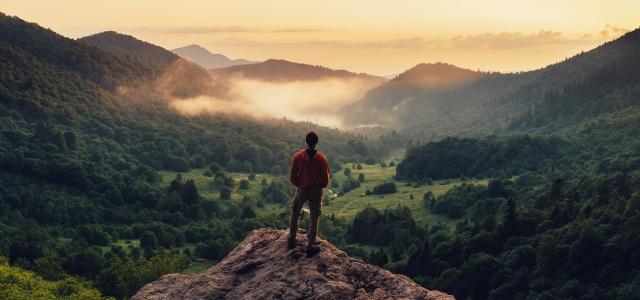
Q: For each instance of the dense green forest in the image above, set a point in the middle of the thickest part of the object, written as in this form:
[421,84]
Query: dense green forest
[79,162]
[464,102]
[88,210]
[559,218]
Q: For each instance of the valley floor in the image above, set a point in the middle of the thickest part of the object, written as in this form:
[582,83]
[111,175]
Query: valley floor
[344,206]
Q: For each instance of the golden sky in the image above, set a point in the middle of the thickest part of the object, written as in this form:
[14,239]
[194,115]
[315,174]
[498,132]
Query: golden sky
[378,37]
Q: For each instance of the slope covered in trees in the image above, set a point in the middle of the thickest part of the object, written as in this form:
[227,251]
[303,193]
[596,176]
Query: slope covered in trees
[589,84]
[126,45]
[278,70]
[172,76]
[557,219]
[80,155]
[460,157]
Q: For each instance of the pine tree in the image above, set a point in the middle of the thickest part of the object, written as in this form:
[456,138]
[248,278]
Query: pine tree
[510,222]
[189,192]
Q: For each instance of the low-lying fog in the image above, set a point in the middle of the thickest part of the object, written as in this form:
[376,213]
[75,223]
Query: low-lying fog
[314,101]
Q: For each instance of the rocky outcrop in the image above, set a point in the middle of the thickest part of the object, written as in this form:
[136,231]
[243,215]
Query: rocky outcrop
[261,267]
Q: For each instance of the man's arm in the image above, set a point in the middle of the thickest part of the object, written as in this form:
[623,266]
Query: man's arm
[326,174]
[293,171]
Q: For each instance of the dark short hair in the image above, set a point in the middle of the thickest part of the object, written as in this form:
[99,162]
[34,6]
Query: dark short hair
[312,138]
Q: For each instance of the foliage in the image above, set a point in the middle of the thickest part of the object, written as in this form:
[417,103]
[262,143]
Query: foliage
[16,283]
[384,188]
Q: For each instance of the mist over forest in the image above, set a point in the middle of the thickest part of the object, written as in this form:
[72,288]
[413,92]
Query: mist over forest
[122,161]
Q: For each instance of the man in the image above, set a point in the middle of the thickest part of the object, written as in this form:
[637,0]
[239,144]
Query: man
[310,174]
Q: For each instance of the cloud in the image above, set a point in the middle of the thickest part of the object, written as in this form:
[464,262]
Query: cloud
[222,29]
[488,40]
[511,40]
[315,101]
[612,31]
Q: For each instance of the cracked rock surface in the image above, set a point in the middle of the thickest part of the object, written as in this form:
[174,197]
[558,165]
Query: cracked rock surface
[261,267]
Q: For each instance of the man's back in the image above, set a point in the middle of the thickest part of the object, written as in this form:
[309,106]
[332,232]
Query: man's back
[309,170]
[310,174]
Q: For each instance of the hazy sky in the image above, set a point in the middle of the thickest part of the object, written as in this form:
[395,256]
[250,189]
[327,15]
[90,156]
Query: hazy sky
[379,37]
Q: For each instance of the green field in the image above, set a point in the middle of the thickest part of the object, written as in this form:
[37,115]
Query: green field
[344,206]
[349,204]
[206,187]
[209,192]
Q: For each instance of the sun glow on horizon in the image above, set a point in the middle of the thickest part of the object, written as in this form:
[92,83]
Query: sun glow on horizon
[377,37]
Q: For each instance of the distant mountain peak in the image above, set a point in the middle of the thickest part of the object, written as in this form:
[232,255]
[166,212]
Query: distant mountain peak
[437,74]
[280,70]
[124,44]
[206,58]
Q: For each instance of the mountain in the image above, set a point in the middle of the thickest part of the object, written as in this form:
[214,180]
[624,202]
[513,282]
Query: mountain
[86,144]
[126,45]
[584,86]
[277,70]
[173,76]
[380,105]
[261,267]
[206,59]
[23,41]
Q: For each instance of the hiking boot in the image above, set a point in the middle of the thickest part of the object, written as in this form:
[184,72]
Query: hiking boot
[313,249]
[291,242]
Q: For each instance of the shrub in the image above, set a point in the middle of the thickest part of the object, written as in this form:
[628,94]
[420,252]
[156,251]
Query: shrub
[385,188]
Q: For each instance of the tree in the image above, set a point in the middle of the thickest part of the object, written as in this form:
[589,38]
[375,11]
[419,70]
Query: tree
[176,184]
[379,258]
[248,213]
[72,141]
[419,261]
[478,272]
[244,184]
[361,177]
[215,167]
[88,262]
[276,170]
[510,220]
[385,188]
[225,193]
[428,200]
[347,172]
[189,192]
[334,183]
[166,239]
[148,240]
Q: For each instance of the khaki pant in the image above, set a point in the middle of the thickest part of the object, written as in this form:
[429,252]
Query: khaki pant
[314,197]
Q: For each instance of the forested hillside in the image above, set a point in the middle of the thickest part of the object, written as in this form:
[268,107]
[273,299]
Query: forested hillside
[558,219]
[559,146]
[512,186]
[278,70]
[172,76]
[80,155]
[599,81]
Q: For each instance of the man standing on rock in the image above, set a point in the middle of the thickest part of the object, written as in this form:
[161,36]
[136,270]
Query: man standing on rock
[310,174]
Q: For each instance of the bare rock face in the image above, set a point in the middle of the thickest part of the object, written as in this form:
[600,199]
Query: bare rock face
[261,267]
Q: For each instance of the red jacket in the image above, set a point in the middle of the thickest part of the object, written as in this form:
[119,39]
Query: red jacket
[309,172]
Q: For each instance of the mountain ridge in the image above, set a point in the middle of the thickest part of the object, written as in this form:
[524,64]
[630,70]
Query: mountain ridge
[207,59]
[499,102]
[123,44]
[173,76]
[280,70]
